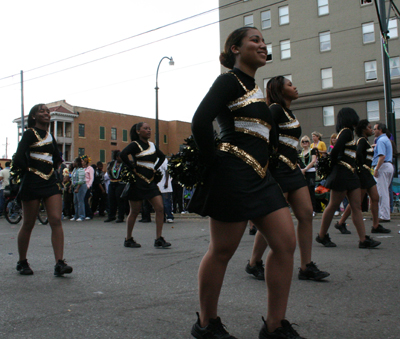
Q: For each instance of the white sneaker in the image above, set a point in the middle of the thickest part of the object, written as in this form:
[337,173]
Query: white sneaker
[72,219]
[337,213]
[313,214]
[80,219]
[170,221]
[88,218]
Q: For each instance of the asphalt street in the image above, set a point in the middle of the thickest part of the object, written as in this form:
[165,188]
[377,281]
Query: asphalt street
[149,293]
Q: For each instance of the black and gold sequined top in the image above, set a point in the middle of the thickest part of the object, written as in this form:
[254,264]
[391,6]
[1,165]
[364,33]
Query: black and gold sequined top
[365,153]
[246,126]
[289,132]
[37,154]
[344,151]
[145,157]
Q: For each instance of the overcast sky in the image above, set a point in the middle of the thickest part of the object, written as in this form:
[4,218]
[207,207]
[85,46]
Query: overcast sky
[37,33]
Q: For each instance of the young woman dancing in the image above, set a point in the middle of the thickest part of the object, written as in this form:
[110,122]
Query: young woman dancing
[38,156]
[280,94]
[145,155]
[239,187]
[344,180]
[365,153]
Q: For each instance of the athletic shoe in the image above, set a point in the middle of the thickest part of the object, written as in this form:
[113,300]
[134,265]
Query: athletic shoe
[214,330]
[80,219]
[145,220]
[284,332]
[253,230]
[24,268]
[342,228]
[62,268]
[88,218]
[170,221]
[380,229]
[109,219]
[119,221]
[368,243]
[257,270]
[160,242]
[326,240]
[131,243]
[72,219]
[336,213]
[312,272]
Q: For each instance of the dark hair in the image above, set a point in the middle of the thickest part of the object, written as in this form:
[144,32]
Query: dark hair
[94,166]
[115,154]
[8,163]
[227,58]
[381,126]
[99,163]
[134,129]
[362,125]
[347,117]
[32,113]
[78,160]
[274,91]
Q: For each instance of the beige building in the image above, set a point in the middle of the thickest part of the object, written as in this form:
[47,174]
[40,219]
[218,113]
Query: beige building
[81,130]
[330,49]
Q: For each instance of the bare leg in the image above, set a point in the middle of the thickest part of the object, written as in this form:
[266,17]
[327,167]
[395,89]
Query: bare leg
[133,213]
[345,215]
[300,202]
[278,229]
[224,240]
[53,206]
[158,206]
[334,202]
[30,211]
[259,247]
[356,214]
[374,201]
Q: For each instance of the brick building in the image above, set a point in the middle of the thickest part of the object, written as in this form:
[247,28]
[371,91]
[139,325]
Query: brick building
[81,130]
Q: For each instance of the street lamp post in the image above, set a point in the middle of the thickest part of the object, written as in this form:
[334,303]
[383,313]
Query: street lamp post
[171,62]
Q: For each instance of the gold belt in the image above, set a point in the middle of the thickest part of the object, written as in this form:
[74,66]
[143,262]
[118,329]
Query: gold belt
[246,157]
[348,166]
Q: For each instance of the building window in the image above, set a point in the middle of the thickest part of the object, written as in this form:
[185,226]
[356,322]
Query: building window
[373,110]
[113,133]
[323,7]
[394,67]
[368,32]
[285,49]
[328,113]
[81,152]
[283,15]
[103,155]
[165,139]
[370,70]
[266,19]
[327,78]
[248,20]
[366,2]
[393,33]
[396,107]
[125,135]
[269,51]
[102,133]
[325,41]
[82,130]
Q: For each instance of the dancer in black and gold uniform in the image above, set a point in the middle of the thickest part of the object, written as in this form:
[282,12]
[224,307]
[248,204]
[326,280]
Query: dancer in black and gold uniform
[144,166]
[344,180]
[239,187]
[38,157]
[280,94]
[365,153]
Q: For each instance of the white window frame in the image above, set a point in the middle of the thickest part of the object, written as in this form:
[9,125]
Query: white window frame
[368,31]
[324,39]
[323,7]
[370,67]
[265,86]
[248,24]
[289,77]
[364,3]
[327,78]
[396,107]
[269,51]
[394,65]
[392,27]
[373,110]
[266,22]
[328,115]
[284,15]
[285,49]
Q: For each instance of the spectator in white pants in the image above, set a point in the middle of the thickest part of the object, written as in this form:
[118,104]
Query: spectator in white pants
[382,161]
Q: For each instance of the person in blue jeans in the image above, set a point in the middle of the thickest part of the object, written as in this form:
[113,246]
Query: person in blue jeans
[165,186]
[79,188]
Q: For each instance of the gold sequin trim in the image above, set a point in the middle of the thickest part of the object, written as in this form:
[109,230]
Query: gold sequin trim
[246,103]
[287,162]
[40,174]
[143,166]
[247,158]
[43,160]
[368,168]
[38,136]
[240,82]
[140,147]
[141,176]
[254,134]
[348,166]
[257,121]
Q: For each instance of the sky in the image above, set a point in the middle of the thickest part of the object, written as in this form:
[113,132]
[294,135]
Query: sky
[39,33]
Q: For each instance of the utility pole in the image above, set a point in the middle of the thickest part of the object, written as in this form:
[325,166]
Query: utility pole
[22,105]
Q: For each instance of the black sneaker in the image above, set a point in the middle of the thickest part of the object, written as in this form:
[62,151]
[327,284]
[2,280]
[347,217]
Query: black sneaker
[326,240]
[380,229]
[62,268]
[109,219]
[253,230]
[284,332]
[214,330]
[131,243]
[160,242]
[24,268]
[119,221]
[312,272]
[342,228]
[257,270]
[368,243]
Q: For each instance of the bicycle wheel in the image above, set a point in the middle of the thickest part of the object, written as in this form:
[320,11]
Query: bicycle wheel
[13,212]
[42,215]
